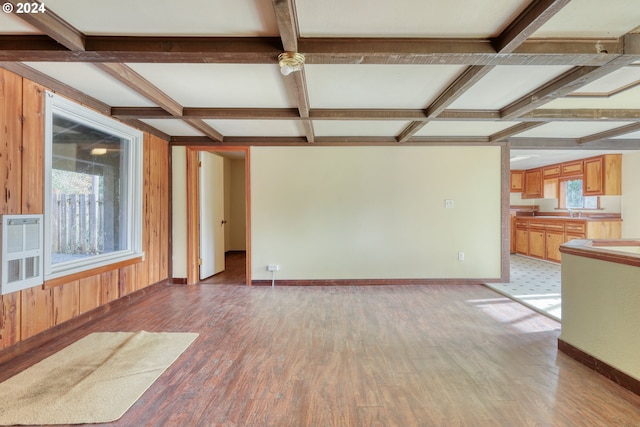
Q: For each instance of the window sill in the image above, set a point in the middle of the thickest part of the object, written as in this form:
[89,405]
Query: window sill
[58,281]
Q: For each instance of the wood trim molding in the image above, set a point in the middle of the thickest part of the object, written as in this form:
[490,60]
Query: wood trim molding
[58,281]
[608,371]
[193,218]
[318,50]
[65,328]
[373,282]
[55,27]
[533,17]
[505,221]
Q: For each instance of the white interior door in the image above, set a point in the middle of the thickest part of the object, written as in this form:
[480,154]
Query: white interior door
[212,223]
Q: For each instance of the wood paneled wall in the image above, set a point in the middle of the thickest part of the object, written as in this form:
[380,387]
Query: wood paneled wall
[29,312]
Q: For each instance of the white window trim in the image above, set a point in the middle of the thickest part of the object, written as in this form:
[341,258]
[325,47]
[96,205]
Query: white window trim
[74,111]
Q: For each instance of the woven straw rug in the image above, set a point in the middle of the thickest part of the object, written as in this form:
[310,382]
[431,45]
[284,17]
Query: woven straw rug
[94,380]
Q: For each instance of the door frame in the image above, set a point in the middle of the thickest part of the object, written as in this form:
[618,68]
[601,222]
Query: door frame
[193,214]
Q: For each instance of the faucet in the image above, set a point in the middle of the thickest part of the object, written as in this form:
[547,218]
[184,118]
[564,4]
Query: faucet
[570,213]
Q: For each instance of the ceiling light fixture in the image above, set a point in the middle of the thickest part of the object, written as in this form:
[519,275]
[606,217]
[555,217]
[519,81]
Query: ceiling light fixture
[290,62]
[98,151]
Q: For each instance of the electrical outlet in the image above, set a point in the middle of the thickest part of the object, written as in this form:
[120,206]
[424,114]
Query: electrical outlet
[448,203]
[273,267]
[460,256]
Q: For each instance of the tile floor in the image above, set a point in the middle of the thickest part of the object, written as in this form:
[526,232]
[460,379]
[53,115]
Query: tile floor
[535,284]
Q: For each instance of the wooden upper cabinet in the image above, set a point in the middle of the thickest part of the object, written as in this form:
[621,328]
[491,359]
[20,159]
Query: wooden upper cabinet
[603,175]
[550,188]
[593,179]
[572,168]
[532,184]
[517,181]
[552,171]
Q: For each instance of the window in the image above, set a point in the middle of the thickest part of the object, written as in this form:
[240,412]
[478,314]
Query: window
[93,187]
[571,196]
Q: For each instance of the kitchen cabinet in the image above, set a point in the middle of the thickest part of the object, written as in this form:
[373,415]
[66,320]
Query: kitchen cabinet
[517,181]
[552,171]
[603,175]
[532,184]
[542,237]
[574,230]
[512,233]
[572,168]
[550,188]
[553,240]
[536,243]
[522,236]
[593,182]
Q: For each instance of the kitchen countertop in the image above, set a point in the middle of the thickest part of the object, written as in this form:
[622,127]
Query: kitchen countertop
[575,218]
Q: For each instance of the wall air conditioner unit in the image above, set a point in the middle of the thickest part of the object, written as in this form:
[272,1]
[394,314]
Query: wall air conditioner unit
[22,263]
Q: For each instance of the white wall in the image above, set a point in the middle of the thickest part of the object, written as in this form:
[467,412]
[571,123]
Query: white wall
[179,210]
[600,310]
[375,212]
[631,195]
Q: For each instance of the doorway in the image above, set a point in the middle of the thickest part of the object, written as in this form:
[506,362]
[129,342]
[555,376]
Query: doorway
[218,211]
[211,208]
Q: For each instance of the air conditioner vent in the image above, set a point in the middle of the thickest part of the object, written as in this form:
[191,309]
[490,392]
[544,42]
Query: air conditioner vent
[22,263]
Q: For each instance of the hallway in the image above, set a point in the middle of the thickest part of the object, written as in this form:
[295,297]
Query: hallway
[234,272]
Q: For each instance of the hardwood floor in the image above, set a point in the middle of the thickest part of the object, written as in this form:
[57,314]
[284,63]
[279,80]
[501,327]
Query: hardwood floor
[358,356]
[234,272]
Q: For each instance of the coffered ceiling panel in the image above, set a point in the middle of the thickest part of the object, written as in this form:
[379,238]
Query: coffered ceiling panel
[504,84]
[358,128]
[377,86]
[269,128]
[379,72]
[632,135]
[570,129]
[463,128]
[628,99]
[613,82]
[155,18]
[11,24]
[92,81]
[409,18]
[219,85]
[173,127]
[592,18]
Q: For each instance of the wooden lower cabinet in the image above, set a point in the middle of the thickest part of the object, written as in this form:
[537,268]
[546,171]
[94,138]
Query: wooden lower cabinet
[537,243]
[553,240]
[522,241]
[542,238]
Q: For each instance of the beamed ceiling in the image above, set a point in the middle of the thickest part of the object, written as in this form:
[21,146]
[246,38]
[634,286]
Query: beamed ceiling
[541,74]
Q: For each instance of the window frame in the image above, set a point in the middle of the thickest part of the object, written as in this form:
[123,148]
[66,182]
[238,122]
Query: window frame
[562,193]
[73,111]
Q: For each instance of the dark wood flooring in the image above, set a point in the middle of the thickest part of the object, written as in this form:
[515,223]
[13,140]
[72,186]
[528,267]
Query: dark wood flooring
[358,356]
[234,272]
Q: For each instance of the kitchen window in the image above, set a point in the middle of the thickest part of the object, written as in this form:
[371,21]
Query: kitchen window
[93,188]
[571,196]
